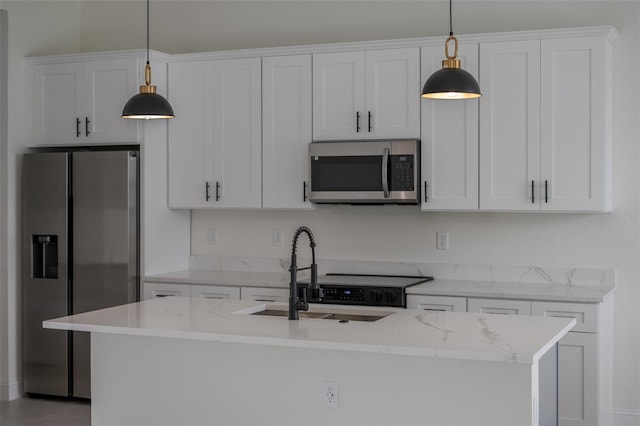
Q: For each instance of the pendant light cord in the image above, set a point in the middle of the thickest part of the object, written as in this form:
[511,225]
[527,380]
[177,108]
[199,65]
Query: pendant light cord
[450,18]
[148,31]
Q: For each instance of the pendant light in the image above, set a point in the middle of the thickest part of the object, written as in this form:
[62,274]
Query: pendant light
[147,104]
[451,82]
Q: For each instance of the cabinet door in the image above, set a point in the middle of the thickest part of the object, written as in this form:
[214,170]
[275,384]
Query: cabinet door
[575,139]
[109,85]
[437,303]
[392,88]
[577,380]
[286,131]
[152,290]
[338,96]
[215,292]
[191,183]
[58,103]
[449,140]
[499,306]
[510,126]
[237,133]
[261,294]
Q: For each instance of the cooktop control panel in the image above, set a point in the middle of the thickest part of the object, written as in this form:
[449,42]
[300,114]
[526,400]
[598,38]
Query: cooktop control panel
[369,290]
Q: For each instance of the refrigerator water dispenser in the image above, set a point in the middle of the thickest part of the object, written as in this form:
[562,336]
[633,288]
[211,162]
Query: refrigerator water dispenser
[44,252]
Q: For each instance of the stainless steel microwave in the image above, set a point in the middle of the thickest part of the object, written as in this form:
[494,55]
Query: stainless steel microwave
[365,172]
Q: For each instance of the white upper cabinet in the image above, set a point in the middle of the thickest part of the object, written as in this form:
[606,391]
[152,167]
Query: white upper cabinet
[366,94]
[215,140]
[237,132]
[449,140]
[191,135]
[81,102]
[510,125]
[545,125]
[576,134]
[286,131]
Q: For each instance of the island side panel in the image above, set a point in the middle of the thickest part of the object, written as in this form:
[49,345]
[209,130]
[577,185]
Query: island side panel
[165,381]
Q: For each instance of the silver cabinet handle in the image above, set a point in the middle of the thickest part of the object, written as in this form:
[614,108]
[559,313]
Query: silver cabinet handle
[385,168]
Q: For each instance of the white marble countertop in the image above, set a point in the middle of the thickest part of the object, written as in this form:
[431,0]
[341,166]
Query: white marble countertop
[455,335]
[514,290]
[548,291]
[227,278]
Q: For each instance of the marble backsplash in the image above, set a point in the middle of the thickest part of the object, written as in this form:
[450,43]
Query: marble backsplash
[440,271]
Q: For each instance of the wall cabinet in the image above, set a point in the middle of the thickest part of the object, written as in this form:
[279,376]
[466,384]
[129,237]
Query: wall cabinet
[545,125]
[215,157]
[286,131]
[81,102]
[366,94]
[449,140]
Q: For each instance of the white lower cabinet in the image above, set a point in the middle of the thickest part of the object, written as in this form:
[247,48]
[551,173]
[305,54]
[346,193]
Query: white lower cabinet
[151,290]
[437,303]
[215,292]
[578,380]
[499,306]
[584,354]
[263,294]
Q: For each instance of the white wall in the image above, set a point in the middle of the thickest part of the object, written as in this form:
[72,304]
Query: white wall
[386,233]
[34,27]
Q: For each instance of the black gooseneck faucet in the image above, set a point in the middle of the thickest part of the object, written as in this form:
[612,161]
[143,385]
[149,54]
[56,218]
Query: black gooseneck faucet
[295,304]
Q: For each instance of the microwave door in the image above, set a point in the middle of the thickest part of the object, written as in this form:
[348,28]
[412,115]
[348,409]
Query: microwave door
[353,172]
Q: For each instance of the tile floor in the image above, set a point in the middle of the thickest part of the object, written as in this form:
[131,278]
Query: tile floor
[29,411]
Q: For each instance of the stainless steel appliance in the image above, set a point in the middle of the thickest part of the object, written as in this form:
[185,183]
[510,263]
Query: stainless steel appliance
[369,290]
[80,253]
[365,172]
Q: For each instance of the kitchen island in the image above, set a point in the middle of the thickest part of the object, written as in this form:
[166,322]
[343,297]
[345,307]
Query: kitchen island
[191,361]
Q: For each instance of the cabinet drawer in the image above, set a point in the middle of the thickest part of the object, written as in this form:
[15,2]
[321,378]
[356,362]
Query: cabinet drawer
[262,294]
[152,290]
[437,303]
[586,314]
[499,306]
[215,292]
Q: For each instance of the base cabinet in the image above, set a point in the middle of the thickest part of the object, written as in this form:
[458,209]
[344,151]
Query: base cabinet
[584,354]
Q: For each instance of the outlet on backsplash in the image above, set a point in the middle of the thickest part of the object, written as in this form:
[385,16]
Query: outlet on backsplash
[442,240]
[212,236]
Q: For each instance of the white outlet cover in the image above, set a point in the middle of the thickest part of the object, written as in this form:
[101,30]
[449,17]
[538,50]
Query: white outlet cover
[330,396]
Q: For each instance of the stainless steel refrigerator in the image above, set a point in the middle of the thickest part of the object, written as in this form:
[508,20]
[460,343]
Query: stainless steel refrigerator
[80,253]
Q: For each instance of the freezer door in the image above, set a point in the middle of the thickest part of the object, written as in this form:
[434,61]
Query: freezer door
[45,272]
[105,242]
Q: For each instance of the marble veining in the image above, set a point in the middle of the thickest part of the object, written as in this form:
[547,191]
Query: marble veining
[455,335]
[582,285]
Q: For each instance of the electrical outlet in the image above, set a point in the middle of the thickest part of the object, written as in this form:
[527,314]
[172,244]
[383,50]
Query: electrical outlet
[442,240]
[277,238]
[212,236]
[330,394]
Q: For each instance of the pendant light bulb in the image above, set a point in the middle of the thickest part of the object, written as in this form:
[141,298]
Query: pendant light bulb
[147,105]
[451,82]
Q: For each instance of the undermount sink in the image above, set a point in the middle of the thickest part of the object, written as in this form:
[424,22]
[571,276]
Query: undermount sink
[344,316]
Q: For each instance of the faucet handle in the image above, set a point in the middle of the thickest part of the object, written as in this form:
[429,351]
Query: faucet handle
[314,276]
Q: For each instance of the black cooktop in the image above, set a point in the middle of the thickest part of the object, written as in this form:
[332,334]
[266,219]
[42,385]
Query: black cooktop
[357,280]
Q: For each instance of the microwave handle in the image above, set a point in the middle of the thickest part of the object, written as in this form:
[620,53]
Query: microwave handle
[385,172]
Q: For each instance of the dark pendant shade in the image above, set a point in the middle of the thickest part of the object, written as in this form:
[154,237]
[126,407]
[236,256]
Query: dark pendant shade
[147,106]
[451,83]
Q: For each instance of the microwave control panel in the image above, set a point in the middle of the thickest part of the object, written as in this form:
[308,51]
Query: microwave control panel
[402,173]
